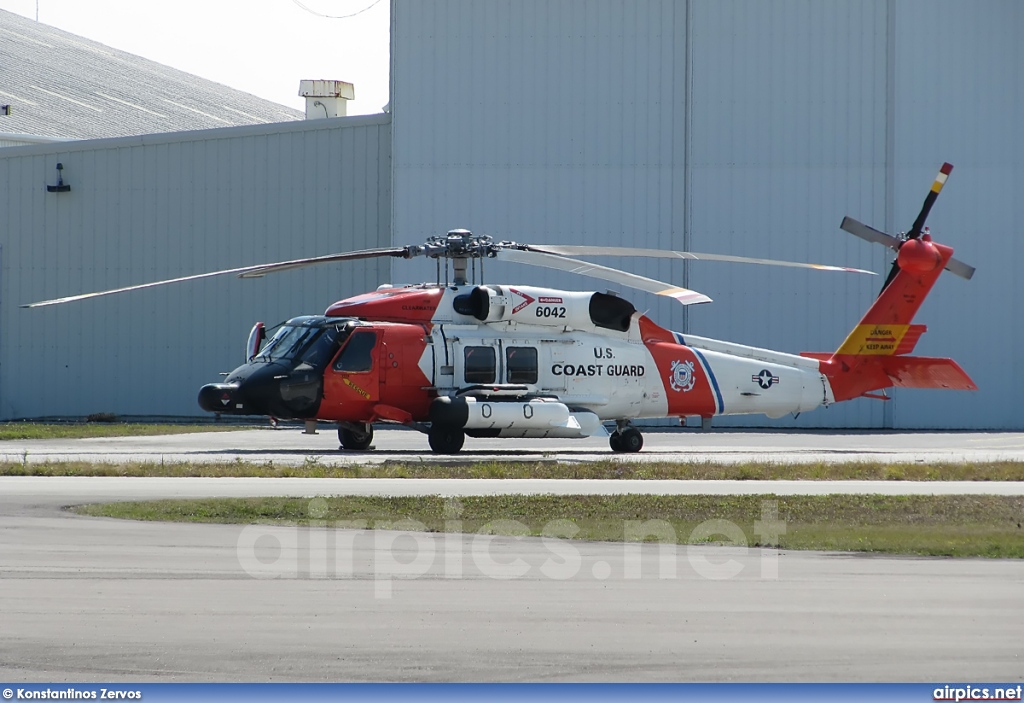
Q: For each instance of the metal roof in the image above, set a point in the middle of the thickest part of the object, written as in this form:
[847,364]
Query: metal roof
[61,85]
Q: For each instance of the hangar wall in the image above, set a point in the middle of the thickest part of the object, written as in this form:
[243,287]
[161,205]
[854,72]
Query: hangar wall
[959,98]
[736,127]
[161,206]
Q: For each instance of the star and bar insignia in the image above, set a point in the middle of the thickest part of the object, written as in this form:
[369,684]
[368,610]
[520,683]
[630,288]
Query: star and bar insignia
[765,379]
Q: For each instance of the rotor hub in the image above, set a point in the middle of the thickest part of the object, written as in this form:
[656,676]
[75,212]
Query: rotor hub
[918,256]
[458,244]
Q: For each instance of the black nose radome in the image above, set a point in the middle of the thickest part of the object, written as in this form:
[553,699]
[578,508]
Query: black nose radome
[260,388]
[221,398]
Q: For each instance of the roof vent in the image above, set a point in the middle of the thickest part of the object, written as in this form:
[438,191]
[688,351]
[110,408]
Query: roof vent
[326,98]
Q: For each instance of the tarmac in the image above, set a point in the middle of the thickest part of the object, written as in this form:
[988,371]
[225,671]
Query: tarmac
[95,599]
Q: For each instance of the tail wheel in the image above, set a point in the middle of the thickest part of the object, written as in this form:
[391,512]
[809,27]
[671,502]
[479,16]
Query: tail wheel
[446,440]
[355,439]
[628,440]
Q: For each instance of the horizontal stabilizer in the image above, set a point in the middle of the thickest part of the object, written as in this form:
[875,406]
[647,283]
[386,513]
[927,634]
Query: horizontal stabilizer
[926,372]
[860,375]
[909,340]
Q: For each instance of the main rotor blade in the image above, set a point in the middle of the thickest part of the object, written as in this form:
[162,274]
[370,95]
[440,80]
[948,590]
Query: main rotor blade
[869,233]
[584,268]
[242,272]
[572,250]
[257,271]
[940,180]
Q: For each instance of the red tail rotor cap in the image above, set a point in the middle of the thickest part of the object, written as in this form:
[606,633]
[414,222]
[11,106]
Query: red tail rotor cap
[919,256]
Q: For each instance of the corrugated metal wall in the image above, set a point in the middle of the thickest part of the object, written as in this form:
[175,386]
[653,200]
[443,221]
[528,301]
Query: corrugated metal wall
[959,89]
[541,122]
[161,206]
[739,127]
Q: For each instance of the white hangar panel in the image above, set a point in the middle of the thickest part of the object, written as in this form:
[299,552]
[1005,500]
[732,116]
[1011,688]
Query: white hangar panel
[540,122]
[959,98]
[787,135]
[162,206]
[737,127]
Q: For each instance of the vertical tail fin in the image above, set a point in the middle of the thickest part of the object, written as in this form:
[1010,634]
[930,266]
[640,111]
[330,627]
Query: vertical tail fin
[888,320]
[873,355]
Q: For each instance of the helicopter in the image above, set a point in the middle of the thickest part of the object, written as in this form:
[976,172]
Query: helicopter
[458,359]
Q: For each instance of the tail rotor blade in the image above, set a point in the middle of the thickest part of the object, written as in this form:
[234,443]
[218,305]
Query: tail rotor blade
[959,268]
[870,234]
[940,180]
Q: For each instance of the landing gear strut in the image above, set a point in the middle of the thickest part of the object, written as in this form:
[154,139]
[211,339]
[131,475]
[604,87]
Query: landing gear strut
[626,439]
[355,436]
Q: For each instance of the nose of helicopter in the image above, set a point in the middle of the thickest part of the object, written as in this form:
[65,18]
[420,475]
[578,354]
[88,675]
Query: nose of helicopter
[264,389]
[251,389]
[221,398]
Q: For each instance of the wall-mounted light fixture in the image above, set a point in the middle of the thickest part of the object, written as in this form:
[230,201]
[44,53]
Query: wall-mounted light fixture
[5,110]
[61,186]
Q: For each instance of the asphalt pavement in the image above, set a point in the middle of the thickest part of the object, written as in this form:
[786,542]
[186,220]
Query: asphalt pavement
[290,446]
[95,599]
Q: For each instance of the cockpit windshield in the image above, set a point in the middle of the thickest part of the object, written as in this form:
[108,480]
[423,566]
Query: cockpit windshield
[307,341]
[288,342]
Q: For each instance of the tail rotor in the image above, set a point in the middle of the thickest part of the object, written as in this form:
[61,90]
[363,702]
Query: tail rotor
[918,233]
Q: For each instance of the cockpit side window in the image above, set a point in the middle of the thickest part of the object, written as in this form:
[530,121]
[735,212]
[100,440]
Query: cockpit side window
[319,352]
[357,355]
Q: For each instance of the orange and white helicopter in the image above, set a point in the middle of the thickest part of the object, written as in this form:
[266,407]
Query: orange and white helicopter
[459,359]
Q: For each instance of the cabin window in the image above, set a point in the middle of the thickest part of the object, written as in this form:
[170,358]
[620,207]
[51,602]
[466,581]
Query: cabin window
[358,353]
[480,364]
[521,364]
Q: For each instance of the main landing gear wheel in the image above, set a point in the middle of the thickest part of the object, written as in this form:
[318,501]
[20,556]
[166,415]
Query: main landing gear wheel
[628,440]
[446,440]
[355,439]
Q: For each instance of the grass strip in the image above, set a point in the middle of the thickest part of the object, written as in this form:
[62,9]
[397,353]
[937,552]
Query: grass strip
[961,526]
[315,467]
[78,430]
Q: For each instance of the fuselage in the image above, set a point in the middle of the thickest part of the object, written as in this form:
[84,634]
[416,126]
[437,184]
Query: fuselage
[388,355]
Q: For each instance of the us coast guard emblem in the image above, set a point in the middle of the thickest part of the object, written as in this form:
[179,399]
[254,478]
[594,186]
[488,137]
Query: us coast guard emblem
[681,376]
